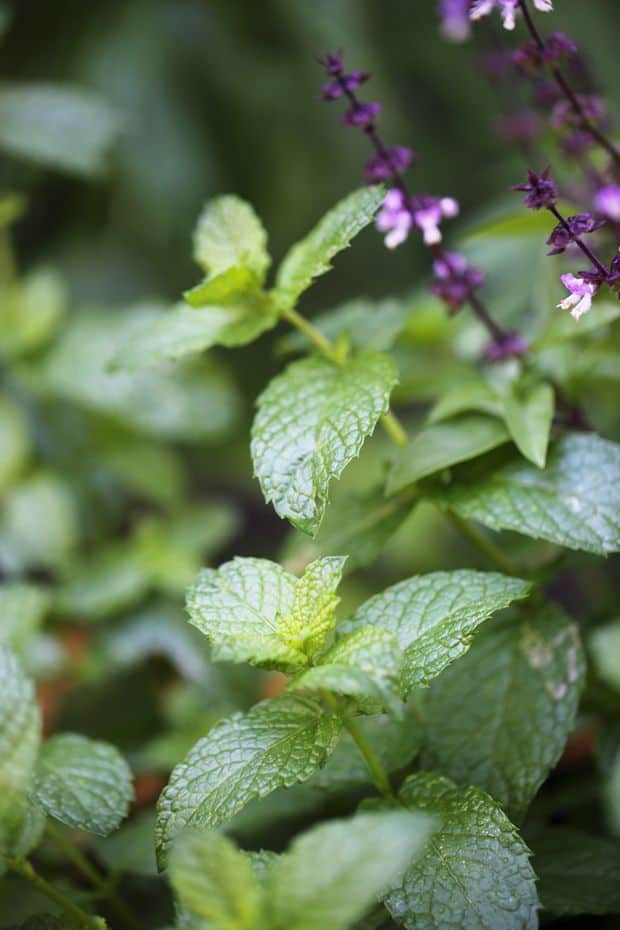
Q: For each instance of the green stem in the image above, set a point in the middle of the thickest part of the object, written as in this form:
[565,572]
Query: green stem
[495,555]
[379,775]
[390,421]
[96,879]
[26,870]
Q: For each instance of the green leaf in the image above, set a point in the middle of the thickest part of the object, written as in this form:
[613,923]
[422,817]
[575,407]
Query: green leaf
[278,743]
[475,872]
[83,783]
[574,502]
[500,717]
[577,872]
[332,874]
[312,256]
[435,616]
[192,401]
[529,420]
[561,327]
[14,441]
[446,444]
[39,523]
[394,742]
[58,125]
[472,394]
[253,610]
[130,848]
[214,881]
[22,608]
[229,234]
[19,740]
[312,420]
[364,665]
[30,312]
[605,647]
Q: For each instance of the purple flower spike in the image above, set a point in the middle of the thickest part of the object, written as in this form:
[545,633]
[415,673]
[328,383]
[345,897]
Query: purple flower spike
[394,218]
[508,8]
[510,345]
[362,114]
[455,280]
[332,62]
[563,235]
[564,115]
[383,165]
[541,190]
[582,288]
[607,202]
[455,24]
[345,83]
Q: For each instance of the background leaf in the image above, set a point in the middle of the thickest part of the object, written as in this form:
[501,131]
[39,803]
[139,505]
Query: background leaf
[529,420]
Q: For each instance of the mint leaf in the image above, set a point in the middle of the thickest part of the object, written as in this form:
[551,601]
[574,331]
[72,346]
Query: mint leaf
[214,881]
[278,743]
[472,394]
[22,608]
[84,783]
[311,257]
[229,234]
[529,420]
[434,616]
[30,312]
[574,502]
[19,739]
[59,125]
[363,665]
[332,874]
[475,871]
[577,872]
[312,420]
[443,445]
[252,610]
[500,717]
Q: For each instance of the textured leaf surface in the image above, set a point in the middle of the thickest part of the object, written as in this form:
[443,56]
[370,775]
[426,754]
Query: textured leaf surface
[62,126]
[19,738]
[84,783]
[230,234]
[312,420]
[331,874]
[253,610]
[214,881]
[529,420]
[312,256]
[277,744]
[195,400]
[443,445]
[435,616]
[574,502]
[577,873]
[475,873]
[500,717]
[364,665]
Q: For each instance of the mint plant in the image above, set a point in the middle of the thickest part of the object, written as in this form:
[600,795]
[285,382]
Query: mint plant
[331,736]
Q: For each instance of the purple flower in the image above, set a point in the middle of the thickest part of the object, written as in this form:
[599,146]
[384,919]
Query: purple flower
[582,288]
[509,345]
[607,202]
[508,8]
[577,140]
[530,57]
[455,279]
[428,212]
[394,218]
[455,24]
[361,114]
[541,190]
[332,62]
[384,165]
[345,83]
[565,116]
[575,226]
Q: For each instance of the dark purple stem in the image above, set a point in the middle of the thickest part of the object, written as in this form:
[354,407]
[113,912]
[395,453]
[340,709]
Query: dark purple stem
[497,332]
[567,90]
[587,251]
